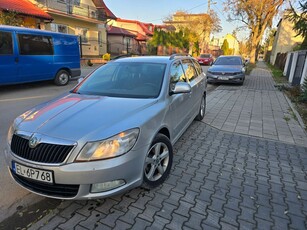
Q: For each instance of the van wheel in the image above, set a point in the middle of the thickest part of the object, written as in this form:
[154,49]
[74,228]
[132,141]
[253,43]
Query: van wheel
[158,162]
[202,109]
[62,78]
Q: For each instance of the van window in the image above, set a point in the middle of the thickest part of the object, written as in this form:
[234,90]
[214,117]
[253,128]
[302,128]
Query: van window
[6,44]
[35,44]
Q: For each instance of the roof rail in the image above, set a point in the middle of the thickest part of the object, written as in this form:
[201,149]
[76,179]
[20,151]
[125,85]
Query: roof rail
[179,55]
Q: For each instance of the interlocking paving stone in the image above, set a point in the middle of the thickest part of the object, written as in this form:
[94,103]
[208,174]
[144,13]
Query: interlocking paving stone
[243,182]
[257,108]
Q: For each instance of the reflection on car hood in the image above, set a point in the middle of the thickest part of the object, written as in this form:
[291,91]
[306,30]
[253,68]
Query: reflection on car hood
[74,116]
[226,68]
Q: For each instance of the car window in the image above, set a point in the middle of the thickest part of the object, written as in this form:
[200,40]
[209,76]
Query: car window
[6,45]
[35,44]
[177,73]
[205,55]
[189,69]
[125,79]
[228,61]
[197,66]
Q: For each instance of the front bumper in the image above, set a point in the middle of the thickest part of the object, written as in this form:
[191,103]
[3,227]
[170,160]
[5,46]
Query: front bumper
[75,180]
[238,78]
[75,72]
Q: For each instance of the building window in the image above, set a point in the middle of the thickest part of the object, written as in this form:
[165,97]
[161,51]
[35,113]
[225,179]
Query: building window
[77,2]
[59,28]
[83,32]
[100,38]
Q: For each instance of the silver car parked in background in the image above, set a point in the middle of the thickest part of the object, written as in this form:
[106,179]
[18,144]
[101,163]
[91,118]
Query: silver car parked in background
[114,131]
[227,69]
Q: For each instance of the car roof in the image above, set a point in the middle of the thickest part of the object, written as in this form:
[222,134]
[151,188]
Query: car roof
[231,56]
[153,59]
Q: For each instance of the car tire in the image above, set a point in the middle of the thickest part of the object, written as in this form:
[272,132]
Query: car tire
[62,78]
[158,162]
[202,109]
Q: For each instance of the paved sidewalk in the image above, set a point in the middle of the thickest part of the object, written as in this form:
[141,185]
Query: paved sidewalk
[257,108]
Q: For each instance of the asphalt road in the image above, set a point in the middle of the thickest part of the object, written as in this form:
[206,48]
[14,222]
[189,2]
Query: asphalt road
[15,100]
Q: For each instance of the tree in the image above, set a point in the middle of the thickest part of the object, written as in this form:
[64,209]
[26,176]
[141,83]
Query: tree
[197,27]
[10,18]
[225,47]
[244,48]
[257,15]
[300,21]
[170,38]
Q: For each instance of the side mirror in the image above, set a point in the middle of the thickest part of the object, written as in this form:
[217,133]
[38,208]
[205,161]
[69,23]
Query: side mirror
[181,87]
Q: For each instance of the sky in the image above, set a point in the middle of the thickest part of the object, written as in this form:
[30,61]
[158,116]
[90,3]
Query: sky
[157,10]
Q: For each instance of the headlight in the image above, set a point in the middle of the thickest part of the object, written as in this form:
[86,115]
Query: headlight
[111,147]
[10,134]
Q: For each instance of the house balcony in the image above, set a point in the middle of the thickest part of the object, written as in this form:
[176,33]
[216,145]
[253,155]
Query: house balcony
[72,8]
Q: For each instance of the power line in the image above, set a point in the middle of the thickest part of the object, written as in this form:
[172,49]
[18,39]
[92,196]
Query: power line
[186,11]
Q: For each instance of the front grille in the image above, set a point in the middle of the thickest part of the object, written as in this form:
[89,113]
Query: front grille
[43,153]
[224,74]
[55,190]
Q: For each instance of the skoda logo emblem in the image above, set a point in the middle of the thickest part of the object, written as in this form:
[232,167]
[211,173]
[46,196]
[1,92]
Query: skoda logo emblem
[33,142]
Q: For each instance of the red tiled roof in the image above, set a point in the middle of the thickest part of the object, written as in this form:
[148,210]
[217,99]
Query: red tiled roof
[141,37]
[120,31]
[144,26]
[24,7]
[101,5]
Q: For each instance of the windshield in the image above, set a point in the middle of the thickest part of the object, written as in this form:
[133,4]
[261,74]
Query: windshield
[228,61]
[125,79]
[205,55]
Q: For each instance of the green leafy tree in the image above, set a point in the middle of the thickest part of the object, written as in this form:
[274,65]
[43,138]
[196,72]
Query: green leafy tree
[225,47]
[10,18]
[300,21]
[257,15]
[170,38]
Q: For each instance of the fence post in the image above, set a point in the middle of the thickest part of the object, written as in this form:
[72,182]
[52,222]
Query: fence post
[304,74]
[293,66]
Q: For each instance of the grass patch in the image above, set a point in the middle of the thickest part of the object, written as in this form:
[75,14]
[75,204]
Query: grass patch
[277,74]
[294,93]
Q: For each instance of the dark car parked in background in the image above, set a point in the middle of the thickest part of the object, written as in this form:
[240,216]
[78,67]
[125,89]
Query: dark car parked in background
[205,59]
[229,69]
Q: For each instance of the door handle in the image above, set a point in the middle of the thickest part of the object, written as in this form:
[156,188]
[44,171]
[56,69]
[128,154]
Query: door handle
[16,59]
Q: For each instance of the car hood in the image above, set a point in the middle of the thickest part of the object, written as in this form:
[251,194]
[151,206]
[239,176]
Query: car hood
[225,68]
[74,116]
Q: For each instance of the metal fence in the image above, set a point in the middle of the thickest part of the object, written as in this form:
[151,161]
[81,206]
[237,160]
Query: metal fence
[295,68]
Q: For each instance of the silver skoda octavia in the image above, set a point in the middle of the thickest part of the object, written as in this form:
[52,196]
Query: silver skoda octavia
[114,131]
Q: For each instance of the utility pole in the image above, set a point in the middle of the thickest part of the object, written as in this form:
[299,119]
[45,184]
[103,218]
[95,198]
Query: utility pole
[209,5]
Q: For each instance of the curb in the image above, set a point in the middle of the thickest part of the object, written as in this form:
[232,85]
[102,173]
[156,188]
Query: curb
[299,118]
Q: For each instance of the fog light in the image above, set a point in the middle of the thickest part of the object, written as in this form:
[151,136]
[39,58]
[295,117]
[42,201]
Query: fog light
[106,186]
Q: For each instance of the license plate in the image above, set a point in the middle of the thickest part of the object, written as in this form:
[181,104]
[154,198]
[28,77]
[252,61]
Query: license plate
[223,78]
[33,173]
